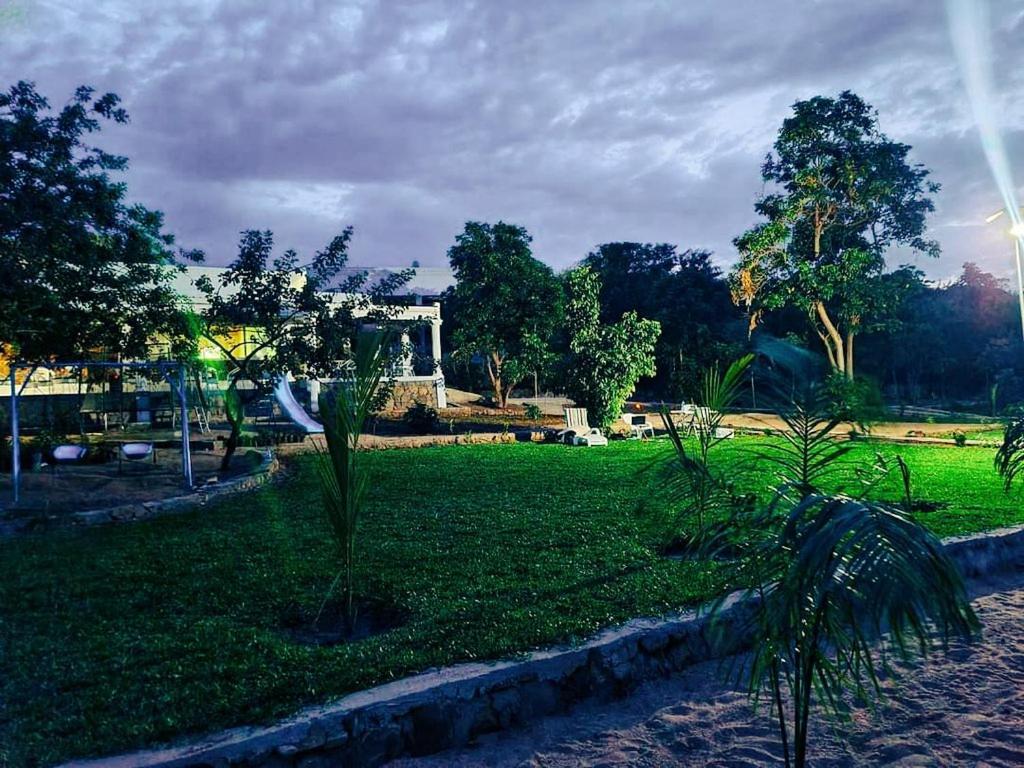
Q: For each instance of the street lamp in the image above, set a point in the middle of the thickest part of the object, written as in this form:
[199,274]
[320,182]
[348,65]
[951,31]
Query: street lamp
[1017,232]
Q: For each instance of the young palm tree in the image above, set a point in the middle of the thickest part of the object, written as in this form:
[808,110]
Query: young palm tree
[806,451]
[343,478]
[833,579]
[692,478]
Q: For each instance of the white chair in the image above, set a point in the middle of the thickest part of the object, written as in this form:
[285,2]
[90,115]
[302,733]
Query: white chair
[639,427]
[698,418]
[578,429]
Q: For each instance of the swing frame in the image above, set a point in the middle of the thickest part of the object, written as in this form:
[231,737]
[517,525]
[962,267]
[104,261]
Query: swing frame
[174,373]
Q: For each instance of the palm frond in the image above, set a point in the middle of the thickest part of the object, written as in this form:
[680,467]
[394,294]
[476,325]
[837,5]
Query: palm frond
[1009,459]
[343,479]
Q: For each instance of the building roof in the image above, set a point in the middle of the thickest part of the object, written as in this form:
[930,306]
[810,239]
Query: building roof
[426,281]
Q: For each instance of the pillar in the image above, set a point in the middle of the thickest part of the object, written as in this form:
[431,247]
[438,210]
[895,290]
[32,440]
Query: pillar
[406,354]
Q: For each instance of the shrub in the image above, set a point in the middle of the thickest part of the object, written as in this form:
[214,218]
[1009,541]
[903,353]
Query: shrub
[421,419]
[533,412]
[859,401]
[959,438]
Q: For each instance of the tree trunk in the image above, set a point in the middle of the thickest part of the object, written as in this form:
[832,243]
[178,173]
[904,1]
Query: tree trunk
[833,340]
[200,394]
[849,355]
[234,409]
[494,373]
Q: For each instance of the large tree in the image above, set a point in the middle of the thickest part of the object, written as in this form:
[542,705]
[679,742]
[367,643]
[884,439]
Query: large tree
[507,303]
[686,293]
[842,194]
[82,270]
[269,316]
[604,361]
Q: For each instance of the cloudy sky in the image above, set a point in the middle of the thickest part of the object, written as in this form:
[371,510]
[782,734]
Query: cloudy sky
[586,122]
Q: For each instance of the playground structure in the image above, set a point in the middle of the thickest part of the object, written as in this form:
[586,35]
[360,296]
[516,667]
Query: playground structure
[175,374]
[293,409]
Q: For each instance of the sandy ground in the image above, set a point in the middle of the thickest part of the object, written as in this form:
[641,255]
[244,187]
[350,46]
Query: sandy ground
[882,429]
[964,708]
[92,486]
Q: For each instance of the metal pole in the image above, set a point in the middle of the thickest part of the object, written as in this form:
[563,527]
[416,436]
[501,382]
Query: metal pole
[186,449]
[15,439]
[1020,281]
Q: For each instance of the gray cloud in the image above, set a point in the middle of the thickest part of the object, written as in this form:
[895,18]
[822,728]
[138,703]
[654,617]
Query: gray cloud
[584,121]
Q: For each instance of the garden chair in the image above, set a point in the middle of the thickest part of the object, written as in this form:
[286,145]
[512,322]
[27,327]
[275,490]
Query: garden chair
[578,430]
[135,452]
[703,417]
[639,427]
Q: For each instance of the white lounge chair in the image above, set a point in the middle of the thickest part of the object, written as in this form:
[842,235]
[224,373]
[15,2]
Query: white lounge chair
[698,418]
[578,430]
[639,427]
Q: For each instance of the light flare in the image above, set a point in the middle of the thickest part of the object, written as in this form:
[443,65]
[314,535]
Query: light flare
[970,29]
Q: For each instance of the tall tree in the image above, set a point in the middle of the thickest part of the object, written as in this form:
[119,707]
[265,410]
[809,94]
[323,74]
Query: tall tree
[270,316]
[508,303]
[844,193]
[686,293]
[604,361]
[81,268]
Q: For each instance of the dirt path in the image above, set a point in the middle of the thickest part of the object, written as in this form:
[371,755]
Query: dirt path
[964,708]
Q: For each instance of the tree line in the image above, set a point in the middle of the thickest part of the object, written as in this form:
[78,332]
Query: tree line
[86,271]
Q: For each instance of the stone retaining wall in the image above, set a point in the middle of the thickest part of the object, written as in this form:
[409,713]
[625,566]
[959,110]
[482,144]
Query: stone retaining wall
[437,710]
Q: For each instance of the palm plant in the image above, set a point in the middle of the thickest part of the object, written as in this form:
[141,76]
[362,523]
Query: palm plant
[832,579]
[1010,456]
[806,451]
[691,478]
[343,478]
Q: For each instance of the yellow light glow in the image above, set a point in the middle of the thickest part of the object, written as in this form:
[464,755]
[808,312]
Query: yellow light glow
[1017,230]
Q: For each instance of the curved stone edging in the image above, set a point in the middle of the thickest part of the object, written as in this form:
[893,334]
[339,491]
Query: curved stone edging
[145,510]
[440,709]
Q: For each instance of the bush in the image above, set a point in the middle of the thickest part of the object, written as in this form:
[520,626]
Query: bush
[533,412]
[959,438]
[421,419]
[859,401]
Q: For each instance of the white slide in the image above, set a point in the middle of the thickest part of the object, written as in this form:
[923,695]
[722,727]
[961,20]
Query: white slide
[291,407]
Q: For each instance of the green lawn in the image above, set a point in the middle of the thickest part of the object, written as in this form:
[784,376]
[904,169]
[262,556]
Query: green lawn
[127,636]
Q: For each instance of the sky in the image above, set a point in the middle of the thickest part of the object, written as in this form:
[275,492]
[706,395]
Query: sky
[585,122]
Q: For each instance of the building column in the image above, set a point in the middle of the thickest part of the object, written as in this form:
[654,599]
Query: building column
[314,395]
[406,354]
[435,342]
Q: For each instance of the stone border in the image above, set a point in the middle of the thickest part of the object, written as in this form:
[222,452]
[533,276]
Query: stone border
[446,708]
[145,510]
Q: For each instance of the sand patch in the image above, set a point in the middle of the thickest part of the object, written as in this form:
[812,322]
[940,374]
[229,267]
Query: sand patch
[962,708]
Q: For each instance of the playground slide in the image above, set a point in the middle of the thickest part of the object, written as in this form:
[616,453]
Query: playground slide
[295,412]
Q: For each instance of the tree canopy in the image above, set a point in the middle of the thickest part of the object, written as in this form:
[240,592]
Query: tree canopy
[604,362]
[842,194]
[83,270]
[272,315]
[509,303]
[682,290]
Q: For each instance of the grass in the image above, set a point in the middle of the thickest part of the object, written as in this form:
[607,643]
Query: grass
[123,637]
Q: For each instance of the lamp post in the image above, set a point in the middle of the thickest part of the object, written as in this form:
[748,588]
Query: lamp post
[1016,231]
